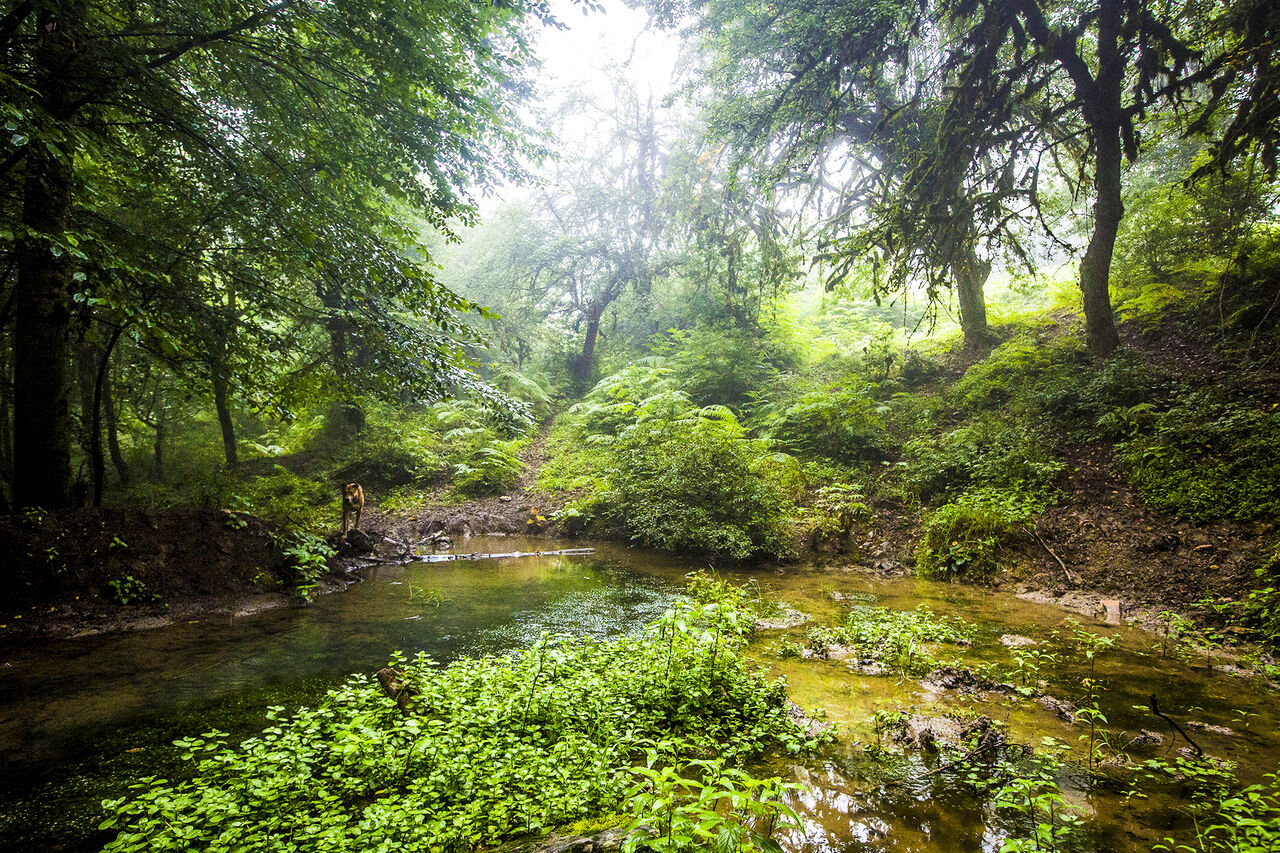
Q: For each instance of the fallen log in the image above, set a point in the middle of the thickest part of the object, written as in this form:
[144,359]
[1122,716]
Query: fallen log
[444,558]
[448,558]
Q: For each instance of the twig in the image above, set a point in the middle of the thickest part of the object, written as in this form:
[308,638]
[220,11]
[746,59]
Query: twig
[983,745]
[1155,709]
[1071,576]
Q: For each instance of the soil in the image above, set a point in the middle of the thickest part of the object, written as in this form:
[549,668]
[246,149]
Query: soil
[84,572]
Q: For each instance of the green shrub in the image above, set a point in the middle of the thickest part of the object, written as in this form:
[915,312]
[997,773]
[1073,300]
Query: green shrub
[1205,459]
[893,638]
[290,500]
[963,539]
[396,447]
[477,752]
[1009,368]
[840,421]
[723,365]
[988,452]
[692,481]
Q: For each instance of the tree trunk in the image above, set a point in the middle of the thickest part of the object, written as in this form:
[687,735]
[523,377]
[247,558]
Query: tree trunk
[158,412]
[585,363]
[113,432]
[95,423]
[41,351]
[224,418]
[971,276]
[41,392]
[1102,112]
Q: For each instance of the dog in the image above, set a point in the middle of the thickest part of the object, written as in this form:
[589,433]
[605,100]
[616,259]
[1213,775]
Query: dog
[352,502]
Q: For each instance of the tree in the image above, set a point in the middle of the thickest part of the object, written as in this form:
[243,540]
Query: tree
[844,100]
[1023,90]
[593,232]
[158,152]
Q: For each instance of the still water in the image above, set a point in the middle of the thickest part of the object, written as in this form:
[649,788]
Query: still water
[80,719]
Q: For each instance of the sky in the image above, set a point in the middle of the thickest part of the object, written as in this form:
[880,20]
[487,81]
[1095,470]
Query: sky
[576,60]
[577,56]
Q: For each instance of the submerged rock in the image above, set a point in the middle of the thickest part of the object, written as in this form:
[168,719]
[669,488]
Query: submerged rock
[1017,640]
[787,617]
[956,678]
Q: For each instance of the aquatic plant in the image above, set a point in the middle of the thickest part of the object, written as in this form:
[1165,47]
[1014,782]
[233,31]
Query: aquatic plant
[477,751]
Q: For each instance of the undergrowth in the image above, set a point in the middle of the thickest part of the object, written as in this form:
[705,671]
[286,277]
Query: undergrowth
[482,749]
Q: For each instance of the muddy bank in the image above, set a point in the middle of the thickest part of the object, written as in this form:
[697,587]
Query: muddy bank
[87,572]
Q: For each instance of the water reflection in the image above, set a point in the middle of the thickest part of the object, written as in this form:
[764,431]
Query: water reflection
[49,690]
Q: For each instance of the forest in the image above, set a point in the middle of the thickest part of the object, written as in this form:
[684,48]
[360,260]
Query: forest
[570,426]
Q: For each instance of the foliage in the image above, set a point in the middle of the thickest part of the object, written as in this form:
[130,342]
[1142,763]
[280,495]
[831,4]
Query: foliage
[289,499]
[174,192]
[1226,818]
[832,515]
[989,452]
[127,589]
[725,809]
[894,638]
[963,539]
[1031,794]
[722,365]
[840,421]
[1207,459]
[308,559]
[685,478]
[1010,367]
[483,749]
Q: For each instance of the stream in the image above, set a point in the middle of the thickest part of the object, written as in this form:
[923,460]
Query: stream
[82,718]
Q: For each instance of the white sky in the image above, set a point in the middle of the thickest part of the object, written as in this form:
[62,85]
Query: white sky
[575,61]
[575,58]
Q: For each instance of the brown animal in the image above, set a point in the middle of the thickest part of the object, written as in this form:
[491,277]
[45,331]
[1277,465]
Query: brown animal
[352,502]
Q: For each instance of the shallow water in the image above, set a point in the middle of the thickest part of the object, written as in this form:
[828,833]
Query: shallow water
[81,718]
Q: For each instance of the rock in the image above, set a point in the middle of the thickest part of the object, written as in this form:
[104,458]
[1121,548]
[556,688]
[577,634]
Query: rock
[800,774]
[1016,640]
[1146,738]
[358,542]
[1113,610]
[506,499]
[1061,707]
[812,727]
[788,617]
[955,678]
[1209,727]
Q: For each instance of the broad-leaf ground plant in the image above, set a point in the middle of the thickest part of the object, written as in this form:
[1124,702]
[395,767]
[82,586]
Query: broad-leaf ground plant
[480,750]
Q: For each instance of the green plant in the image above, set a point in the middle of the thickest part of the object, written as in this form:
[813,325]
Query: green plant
[688,479]
[126,589]
[1092,645]
[787,649]
[964,538]
[478,751]
[1031,793]
[1174,627]
[720,808]
[839,421]
[308,556]
[1029,662]
[1224,817]
[430,596]
[893,638]
[1207,459]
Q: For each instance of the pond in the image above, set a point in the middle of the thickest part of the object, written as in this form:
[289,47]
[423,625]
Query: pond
[81,718]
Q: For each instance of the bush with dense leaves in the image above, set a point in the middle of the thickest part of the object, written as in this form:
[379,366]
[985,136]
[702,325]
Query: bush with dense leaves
[840,421]
[481,750]
[1205,459]
[963,539]
[689,479]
